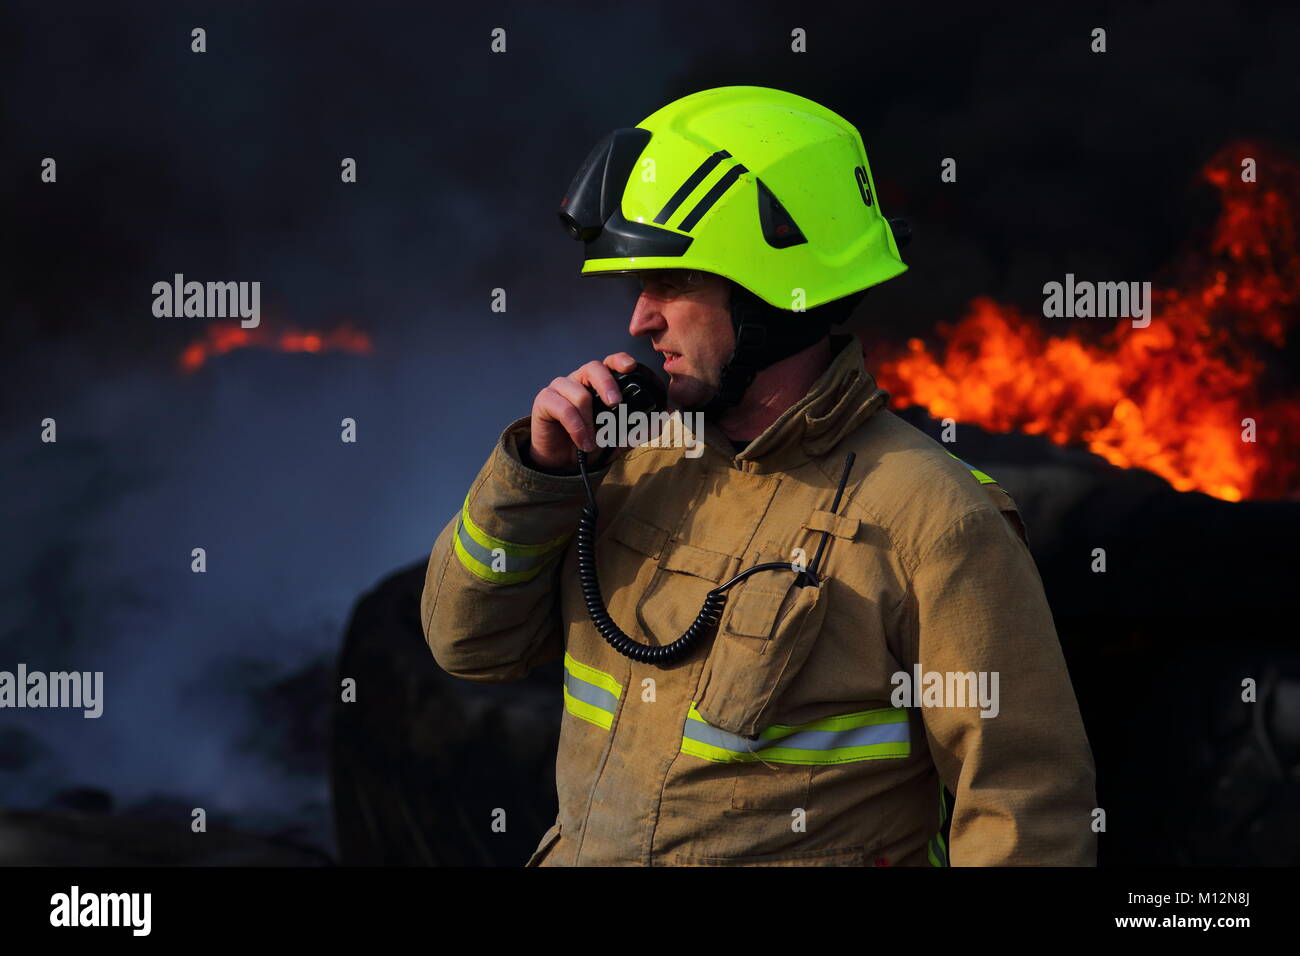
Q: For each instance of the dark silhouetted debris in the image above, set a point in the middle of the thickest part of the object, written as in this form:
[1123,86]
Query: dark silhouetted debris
[68,838]
[422,760]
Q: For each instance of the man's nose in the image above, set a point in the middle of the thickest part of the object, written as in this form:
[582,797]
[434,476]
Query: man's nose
[646,317]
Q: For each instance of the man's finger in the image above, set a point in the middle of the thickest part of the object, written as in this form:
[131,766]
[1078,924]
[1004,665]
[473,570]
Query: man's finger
[621,361]
[601,379]
[575,394]
[561,409]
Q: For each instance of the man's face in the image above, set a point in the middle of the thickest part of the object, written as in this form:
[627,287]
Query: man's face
[686,316]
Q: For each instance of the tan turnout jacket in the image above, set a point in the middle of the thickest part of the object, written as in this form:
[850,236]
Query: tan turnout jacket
[775,742]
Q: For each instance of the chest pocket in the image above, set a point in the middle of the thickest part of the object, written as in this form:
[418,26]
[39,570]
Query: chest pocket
[767,631]
[668,594]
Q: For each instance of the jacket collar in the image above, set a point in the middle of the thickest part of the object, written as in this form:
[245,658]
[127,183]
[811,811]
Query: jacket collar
[839,401]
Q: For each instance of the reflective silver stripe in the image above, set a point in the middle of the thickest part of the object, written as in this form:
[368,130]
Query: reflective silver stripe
[513,565]
[590,693]
[896,733]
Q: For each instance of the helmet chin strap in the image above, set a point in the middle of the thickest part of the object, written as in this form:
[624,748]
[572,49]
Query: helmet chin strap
[765,335]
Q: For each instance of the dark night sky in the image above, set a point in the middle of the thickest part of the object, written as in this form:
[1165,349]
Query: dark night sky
[226,166]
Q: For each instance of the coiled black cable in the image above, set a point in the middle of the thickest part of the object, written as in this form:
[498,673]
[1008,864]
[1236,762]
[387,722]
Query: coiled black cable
[714,602]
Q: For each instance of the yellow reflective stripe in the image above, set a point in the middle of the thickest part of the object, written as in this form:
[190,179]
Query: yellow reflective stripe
[601,718]
[847,738]
[983,478]
[509,547]
[590,694]
[697,748]
[484,571]
[592,676]
[498,561]
[787,755]
[861,718]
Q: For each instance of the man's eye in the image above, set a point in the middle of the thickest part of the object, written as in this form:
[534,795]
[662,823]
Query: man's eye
[666,288]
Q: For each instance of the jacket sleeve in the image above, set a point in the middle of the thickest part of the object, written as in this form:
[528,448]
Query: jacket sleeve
[1023,777]
[490,606]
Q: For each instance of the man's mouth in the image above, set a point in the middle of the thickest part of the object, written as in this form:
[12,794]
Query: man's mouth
[671,359]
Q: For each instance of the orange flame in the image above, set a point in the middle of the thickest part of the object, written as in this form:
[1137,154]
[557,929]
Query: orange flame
[1171,397]
[226,337]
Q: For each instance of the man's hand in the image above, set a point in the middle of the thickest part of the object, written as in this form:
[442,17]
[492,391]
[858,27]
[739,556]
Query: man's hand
[562,414]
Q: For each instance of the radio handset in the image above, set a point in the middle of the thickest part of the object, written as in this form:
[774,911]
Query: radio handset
[642,392]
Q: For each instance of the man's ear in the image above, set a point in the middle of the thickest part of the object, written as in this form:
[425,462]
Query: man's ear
[731,321]
[729,303]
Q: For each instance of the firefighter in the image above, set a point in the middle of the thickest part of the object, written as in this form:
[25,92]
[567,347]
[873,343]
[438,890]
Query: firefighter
[750,218]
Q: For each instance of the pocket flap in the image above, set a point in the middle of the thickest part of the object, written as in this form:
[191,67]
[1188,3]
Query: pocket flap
[754,612]
[687,558]
[639,535]
[839,526]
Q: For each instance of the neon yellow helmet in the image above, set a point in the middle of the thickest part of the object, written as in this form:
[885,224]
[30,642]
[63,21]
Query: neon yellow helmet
[759,186]
[765,188]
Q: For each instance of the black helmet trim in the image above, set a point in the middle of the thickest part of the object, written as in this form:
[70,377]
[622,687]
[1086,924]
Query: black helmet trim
[712,196]
[623,239]
[592,212]
[688,187]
